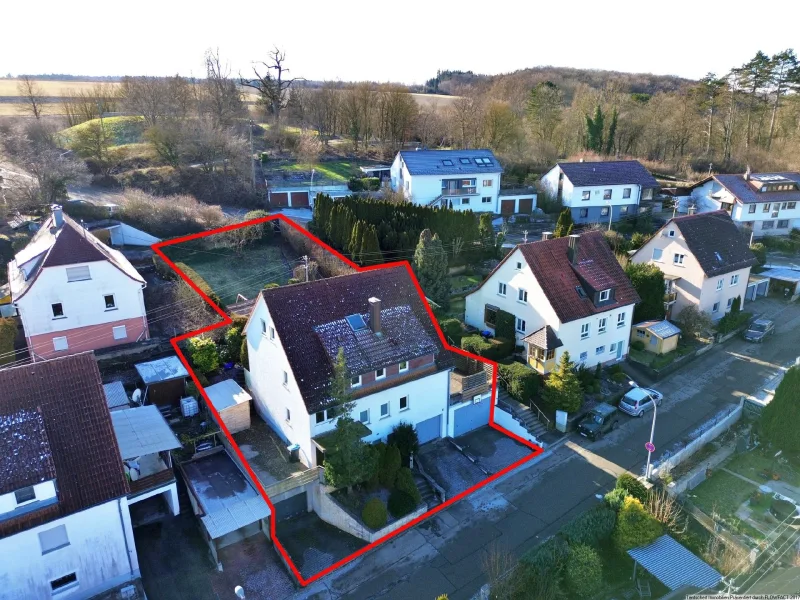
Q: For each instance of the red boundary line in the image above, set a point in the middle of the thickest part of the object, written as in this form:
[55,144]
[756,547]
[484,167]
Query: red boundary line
[226,320]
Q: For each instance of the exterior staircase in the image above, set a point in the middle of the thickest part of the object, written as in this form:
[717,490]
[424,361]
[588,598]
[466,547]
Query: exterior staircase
[429,496]
[527,416]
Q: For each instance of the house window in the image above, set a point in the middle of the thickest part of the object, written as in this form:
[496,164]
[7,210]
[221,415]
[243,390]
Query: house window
[78,273]
[620,320]
[364,416]
[384,410]
[447,162]
[60,343]
[606,194]
[26,494]
[626,192]
[720,283]
[730,303]
[657,252]
[522,296]
[109,301]
[751,209]
[501,289]
[465,201]
[715,308]
[519,266]
[53,539]
[599,350]
[380,373]
[678,259]
[320,416]
[612,348]
[766,208]
[355,381]
[791,205]
[263,326]
[64,583]
[604,211]
[285,378]
[487,183]
[586,195]
[288,416]
[783,224]
[550,355]
[640,333]
[272,333]
[404,366]
[520,325]
[601,327]
[408,185]
[584,331]
[671,233]
[623,210]
[604,295]
[486,199]
[58,310]
[734,279]
[767,224]
[584,356]
[120,332]
[490,315]
[584,213]
[404,403]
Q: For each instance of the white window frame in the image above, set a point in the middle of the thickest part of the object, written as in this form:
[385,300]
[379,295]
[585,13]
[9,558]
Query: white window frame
[604,295]
[519,266]
[263,327]
[272,333]
[671,233]
[502,289]
[751,209]
[81,273]
[660,256]
[612,348]
[361,414]
[388,410]
[58,341]
[677,259]
[621,320]
[357,384]
[488,183]
[585,331]
[583,357]
[408,405]
[113,302]
[522,295]
[600,350]
[64,588]
[401,368]
[601,325]
[735,279]
[608,194]
[117,329]
[382,374]
[729,304]
[626,193]
[720,283]
[586,195]
[520,325]
[715,307]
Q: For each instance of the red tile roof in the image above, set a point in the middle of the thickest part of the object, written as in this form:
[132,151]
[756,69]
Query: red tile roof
[69,393]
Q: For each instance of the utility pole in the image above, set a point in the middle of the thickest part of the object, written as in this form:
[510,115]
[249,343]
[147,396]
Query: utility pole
[525,236]
[752,233]
[252,159]
[305,264]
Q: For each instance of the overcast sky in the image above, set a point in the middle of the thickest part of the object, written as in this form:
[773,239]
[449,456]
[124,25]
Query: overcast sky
[403,41]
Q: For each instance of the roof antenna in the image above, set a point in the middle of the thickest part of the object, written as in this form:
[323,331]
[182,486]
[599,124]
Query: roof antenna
[709,167]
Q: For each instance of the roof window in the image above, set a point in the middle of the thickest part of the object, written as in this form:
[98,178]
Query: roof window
[447,162]
[356,322]
[465,161]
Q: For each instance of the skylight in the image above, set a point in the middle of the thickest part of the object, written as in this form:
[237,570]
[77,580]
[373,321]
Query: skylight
[484,162]
[447,162]
[581,291]
[719,258]
[464,161]
[356,322]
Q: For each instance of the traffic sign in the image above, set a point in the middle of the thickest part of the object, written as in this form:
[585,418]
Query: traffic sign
[650,447]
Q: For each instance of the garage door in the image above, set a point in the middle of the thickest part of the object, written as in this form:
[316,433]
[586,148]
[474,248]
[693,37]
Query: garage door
[296,505]
[471,417]
[750,294]
[430,429]
[279,199]
[526,206]
[507,207]
[299,199]
[762,288]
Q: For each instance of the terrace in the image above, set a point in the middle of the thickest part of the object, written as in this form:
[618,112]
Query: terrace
[470,378]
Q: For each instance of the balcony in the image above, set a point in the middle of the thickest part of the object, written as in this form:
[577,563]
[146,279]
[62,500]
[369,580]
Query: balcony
[457,192]
[670,297]
[469,379]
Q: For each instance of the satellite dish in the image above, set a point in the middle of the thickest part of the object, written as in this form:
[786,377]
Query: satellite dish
[137,396]
[239,591]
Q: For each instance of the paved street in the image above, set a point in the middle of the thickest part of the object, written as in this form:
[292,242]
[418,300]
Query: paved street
[444,554]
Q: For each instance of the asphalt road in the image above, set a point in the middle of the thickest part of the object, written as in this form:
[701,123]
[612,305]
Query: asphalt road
[444,554]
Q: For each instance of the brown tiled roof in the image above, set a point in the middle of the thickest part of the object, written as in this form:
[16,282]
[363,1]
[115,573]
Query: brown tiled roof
[25,456]
[298,309]
[595,265]
[69,393]
[715,242]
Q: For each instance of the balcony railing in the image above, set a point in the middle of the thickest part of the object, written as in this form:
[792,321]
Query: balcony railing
[151,482]
[670,297]
[468,191]
[466,387]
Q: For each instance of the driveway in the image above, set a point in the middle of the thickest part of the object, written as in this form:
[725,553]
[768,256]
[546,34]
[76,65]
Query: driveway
[444,554]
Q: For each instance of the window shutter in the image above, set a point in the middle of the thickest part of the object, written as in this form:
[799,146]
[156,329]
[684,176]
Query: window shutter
[78,273]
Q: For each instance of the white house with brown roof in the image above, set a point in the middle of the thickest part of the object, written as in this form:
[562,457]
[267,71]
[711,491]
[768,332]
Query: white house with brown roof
[706,262]
[73,293]
[65,528]
[400,370]
[566,294]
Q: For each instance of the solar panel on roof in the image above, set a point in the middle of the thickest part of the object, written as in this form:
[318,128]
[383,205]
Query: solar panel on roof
[356,322]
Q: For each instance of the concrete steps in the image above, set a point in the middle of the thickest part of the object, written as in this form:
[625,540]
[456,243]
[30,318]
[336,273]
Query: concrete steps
[524,414]
[429,496]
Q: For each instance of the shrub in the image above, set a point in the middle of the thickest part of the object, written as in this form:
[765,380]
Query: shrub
[615,498]
[233,344]
[244,357]
[8,331]
[596,387]
[637,345]
[782,509]
[732,321]
[405,483]
[204,355]
[547,558]
[693,321]
[400,504]
[633,486]
[293,280]
[374,513]
[163,269]
[389,465]
[504,325]
[635,526]
[779,418]
[760,250]
[619,377]
[200,283]
[590,527]
[583,572]
[404,437]
[521,381]
[272,285]
[452,329]
[493,348]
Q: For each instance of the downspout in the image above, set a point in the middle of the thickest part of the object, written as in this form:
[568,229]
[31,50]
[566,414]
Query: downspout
[125,536]
[447,406]
[146,329]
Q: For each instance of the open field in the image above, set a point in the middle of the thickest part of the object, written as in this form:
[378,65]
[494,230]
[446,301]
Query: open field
[16,109]
[8,87]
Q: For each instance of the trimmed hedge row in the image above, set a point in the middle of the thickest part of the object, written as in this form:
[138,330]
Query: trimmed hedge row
[201,283]
[364,184]
[493,348]
[521,381]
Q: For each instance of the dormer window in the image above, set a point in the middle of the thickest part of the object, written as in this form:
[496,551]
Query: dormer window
[403,367]
[25,495]
[604,295]
[380,373]
[355,381]
[671,233]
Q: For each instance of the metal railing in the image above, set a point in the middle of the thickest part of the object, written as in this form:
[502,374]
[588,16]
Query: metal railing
[539,415]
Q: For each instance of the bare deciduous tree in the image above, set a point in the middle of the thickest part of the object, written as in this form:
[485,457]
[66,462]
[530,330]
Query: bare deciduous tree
[729,559]
[272,84]
[666,510]
[220,97]
[83,105]
[33,94]
[498,565]
[158,98]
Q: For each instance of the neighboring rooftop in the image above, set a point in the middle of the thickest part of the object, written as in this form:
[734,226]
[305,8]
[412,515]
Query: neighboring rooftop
[663,329]
[162,369]
[116,396]
[227,393]
[25,456]
[450,162]
[747,191]
[674,565]
[297,310]
[544,338]
[610,172]
[715,242]
[141,431]
[69,395]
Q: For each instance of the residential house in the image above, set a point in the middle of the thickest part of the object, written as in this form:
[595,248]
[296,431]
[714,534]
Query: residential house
[705,259]
[458,179]
[658,336]
[600,191]
[73,293]
[398,366]
[65,529]
[760,203]
[566,294]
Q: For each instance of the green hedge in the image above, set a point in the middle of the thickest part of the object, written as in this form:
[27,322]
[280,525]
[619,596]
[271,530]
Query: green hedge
[364,184]
[8,331]
[633,486]
[520,381]
[504,325]
[201,283]
[405,483]
[493,348]
[452,329]
[733,321]
[400,504]
[590,527]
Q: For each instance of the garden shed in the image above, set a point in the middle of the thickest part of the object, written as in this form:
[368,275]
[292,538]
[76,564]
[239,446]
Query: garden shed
[657,336]
[164,380]
[232,403]
[673,565]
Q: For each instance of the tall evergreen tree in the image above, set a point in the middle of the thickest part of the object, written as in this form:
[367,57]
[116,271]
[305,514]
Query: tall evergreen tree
[562,390]
[564,224]
[784,78]
[594,130]
[370,253]
[755,75]
[780,417]
[356,239]
[648,281]
[430,266]
[612,132]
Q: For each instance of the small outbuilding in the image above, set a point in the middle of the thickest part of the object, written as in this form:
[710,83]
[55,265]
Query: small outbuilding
[232,403]
[673,565]
[116,396]
[657,336]
[164,380]
[784,281]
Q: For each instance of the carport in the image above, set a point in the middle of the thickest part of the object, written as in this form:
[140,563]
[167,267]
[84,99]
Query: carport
[673,565]
[783,278]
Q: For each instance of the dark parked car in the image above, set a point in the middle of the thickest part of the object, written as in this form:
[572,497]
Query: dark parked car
[602,419]
[759,330]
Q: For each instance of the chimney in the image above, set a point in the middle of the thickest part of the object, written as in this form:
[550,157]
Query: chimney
[375,315]
[58,215]
[692,209]
[572,250]
[747,173]
[547,235]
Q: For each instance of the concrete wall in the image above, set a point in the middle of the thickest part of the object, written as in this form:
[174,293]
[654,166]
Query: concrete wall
[507,421]
[101,552]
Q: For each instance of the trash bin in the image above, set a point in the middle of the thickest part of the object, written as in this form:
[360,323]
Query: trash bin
[294,452]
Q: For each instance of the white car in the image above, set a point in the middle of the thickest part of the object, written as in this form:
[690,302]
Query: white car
[639,400]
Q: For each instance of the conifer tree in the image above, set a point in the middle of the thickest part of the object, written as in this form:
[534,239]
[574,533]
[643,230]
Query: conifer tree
[430,266]
[356,239]
[562,390]
[564,224]
[370,253]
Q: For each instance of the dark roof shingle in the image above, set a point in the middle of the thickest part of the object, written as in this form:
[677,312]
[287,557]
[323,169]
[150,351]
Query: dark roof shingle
[544,338]
[299,310]
[435,162]
[69,393]
[610,172]
[715,242]
[25,456]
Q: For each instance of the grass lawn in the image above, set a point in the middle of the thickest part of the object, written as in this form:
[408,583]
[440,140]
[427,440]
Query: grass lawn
[230,274]
[458,282]
[750,465]
[124,130]
[722,492]
[338,170]
[457,307]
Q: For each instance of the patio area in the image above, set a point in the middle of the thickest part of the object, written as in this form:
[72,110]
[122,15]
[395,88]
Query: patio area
[266,452]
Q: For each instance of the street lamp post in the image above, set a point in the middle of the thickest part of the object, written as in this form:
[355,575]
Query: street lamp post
[652,431]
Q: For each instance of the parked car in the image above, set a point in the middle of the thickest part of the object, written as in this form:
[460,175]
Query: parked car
[601,420]
[639,400]
[759,330]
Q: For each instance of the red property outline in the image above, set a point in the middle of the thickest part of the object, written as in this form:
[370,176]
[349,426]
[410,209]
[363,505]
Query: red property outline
[226,320]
